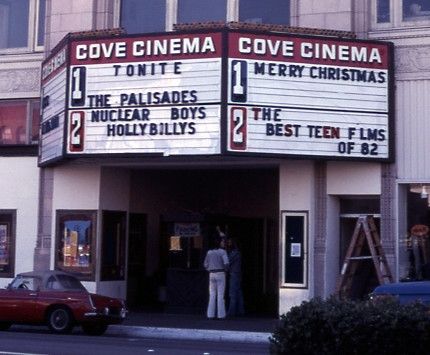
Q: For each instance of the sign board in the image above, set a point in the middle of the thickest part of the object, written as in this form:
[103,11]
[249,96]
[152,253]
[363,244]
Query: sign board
[308,96]
[53,105]
[153,94]
[218,92]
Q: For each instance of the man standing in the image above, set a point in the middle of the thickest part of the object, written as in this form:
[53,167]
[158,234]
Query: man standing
[216,263]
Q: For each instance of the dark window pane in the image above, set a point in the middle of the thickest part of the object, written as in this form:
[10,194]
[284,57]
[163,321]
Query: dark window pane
[70,283]
[14,23]
[35,121]
[201,10]
[139,16]
[41,23]
[360,206]
[268,11]
[383,11]
[416,10]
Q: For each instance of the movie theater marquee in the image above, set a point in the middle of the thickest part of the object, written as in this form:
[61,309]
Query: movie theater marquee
[218,93]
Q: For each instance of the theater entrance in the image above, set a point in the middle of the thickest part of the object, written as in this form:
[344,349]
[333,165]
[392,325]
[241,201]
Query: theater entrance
[179,211]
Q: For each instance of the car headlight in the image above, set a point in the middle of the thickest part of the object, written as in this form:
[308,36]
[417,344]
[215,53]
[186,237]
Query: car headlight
[106,311]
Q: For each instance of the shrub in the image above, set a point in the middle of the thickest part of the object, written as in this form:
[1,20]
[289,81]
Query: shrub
[347,327]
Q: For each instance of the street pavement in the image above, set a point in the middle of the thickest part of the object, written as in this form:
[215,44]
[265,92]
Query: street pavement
[194,327]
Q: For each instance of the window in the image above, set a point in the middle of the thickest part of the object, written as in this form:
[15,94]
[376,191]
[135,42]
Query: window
[30,283]
[139,16]
[22,24]
[19,122]
[75,242]
[383,11]
[41,23]
[270,11]
[416,10]
[201,10]
[7,243]
[397,13]
[414,243]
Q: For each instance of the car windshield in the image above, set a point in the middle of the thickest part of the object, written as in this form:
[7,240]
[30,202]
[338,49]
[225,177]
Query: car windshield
[70,283]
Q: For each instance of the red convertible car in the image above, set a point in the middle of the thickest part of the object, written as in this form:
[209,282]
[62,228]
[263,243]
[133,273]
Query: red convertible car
[58,300]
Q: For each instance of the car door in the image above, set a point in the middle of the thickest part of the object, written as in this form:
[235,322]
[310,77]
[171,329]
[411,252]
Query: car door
[19,303]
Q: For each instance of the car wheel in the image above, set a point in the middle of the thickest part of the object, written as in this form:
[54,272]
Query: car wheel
[94,329]
[60,320]
[5,325]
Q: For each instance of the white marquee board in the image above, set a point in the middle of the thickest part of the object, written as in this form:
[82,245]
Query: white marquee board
[154,94]
[305,96]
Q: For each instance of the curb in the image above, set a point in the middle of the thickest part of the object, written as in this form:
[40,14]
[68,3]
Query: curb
[189,334]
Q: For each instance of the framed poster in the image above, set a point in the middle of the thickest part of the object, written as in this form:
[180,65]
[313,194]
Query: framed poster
[294,239]
[76,242]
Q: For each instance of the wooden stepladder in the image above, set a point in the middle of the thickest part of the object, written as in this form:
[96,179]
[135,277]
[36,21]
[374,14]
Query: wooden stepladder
[365,232]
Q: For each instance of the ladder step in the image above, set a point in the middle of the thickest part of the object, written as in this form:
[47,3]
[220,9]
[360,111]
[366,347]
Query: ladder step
[360,257]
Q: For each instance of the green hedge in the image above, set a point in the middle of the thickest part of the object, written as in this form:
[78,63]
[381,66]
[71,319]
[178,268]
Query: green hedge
[346,327]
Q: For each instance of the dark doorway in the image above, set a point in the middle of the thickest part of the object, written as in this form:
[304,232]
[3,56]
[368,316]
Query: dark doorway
[113,246]
[137,293]
[253,238]
[183,208]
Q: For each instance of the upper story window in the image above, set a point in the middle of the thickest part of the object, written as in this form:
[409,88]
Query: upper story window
[402,13]
[19,122]
[416,10]
[22,25]
[270,11]
[201,10]
[140,16]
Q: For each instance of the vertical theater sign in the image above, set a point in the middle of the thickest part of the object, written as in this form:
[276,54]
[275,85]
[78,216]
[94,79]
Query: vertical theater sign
[223,92]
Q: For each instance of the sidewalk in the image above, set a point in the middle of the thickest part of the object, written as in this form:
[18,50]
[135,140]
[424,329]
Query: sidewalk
[194,327]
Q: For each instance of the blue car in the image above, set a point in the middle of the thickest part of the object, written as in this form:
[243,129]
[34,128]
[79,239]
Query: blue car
[405,292]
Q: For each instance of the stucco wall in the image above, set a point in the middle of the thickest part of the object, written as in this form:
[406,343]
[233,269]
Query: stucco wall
[353,178]
[296,190]
[20,186]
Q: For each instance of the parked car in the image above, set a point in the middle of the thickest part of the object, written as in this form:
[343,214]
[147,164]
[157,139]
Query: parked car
[59,300]
[405,292]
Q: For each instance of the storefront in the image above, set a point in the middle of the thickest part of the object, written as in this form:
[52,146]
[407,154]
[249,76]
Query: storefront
[150,142]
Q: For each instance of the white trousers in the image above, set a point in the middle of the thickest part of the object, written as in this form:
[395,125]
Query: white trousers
[216,295]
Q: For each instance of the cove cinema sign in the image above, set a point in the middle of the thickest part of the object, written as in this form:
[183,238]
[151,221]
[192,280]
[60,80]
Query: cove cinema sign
[226,92]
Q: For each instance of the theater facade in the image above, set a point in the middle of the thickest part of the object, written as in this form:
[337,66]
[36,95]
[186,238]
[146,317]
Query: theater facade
[131,130]
[155,140]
